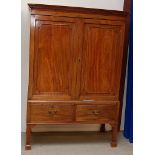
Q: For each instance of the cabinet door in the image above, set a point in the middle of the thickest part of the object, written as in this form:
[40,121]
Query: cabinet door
[53,58]
[101,59]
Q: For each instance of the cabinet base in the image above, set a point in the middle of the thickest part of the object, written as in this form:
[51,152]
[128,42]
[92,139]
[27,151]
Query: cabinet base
[113,138]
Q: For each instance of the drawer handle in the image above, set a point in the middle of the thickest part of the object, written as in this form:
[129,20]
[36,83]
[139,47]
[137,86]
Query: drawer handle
[53,112]
[96,112]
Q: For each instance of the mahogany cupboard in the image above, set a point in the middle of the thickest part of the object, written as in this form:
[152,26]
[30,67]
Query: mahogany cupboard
[76,57]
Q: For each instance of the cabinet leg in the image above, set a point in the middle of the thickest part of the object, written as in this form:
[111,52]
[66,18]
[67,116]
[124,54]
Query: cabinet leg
[102,128]
[114,136]
[28,138]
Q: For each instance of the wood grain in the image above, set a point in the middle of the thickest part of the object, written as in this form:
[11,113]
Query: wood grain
[101,61]
[53,64]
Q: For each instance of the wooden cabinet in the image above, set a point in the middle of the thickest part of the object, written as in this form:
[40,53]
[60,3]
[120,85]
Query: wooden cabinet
[75,66]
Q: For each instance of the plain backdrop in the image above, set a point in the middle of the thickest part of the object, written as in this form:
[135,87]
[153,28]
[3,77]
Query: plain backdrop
[25,31]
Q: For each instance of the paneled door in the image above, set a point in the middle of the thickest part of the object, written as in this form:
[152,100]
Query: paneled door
[56,46]
[101,59]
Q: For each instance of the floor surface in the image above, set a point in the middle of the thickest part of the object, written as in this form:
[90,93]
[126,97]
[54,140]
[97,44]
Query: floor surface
[76,144]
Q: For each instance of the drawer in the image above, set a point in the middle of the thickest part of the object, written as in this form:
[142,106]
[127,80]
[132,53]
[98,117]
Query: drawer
[96,113]
[51,113]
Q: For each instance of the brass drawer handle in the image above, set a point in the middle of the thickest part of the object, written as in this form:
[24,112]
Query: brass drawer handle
[96,112]
[52,112]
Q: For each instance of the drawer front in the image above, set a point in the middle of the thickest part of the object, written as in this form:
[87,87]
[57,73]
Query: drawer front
[51,113]
[96,113]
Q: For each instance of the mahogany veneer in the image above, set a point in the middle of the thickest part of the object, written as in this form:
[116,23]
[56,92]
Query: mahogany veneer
[76,57]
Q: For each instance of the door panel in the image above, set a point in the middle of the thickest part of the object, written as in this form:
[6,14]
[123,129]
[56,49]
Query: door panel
[53,58]
[101,61]
[54,65]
